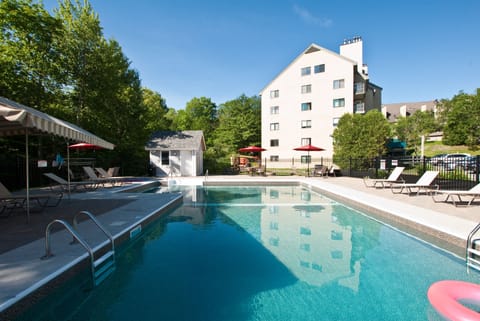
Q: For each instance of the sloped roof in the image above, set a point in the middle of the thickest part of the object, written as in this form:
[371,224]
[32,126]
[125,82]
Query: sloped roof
[310,49]
[18,119]
[394,110]
[176,140]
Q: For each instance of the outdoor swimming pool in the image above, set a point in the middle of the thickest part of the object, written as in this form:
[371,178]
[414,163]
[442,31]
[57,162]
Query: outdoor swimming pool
[269,253]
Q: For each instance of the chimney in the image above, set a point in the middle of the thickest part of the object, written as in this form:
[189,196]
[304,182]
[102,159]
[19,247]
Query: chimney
[353,49]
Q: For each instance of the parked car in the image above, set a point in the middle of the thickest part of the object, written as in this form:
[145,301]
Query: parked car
[452,161]
[471,163]
[437,159]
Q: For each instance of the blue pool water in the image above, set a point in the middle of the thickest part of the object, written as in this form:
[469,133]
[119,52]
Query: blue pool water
[270,253]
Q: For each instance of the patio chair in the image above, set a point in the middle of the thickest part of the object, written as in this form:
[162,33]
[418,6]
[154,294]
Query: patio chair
[110,174]
[11,200]
[394,177]
[101,180]
[74,186]
[331,171]
[320,170]
[474,193]
[424,183]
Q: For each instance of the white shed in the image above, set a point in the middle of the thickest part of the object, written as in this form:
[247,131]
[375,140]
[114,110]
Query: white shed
[176,153]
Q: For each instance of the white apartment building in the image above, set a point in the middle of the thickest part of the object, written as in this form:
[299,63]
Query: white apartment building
[304,102]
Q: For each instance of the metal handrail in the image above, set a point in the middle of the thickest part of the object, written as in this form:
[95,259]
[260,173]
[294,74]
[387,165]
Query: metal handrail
[469,239]
[48,247]
[206,175]
[100,226]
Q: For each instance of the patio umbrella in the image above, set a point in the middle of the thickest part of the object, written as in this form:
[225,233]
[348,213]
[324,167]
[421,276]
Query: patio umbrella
[78,146]
[251,149]
[309,148]
[85,146]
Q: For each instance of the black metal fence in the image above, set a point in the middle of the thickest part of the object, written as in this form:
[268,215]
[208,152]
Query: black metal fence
[454,173]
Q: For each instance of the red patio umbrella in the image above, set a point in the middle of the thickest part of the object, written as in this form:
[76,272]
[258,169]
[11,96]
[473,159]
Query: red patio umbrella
[79,146]
[251,149]
[84,146]
[309,148]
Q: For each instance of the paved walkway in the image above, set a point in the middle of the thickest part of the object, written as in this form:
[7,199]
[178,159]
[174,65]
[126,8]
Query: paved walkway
[22,271]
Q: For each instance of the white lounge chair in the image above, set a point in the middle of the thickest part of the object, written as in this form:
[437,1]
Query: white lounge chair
[424,183]
[11,200]
[110,174]
[474,193]
[74,186]
[394,177]
[101,180]
[320,170]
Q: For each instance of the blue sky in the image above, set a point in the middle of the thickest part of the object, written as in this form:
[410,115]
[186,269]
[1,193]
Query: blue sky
[415,49]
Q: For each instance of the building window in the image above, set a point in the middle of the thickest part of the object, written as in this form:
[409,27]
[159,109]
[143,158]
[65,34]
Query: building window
[274,226]
[274,110]
[274,143]
[274,158]
[359,88]
[305,247]
[335,121]
[305,231]
[306,89]
[305,159]
[274,126]
[274,93]
[336,235]
[339,83]
[340,102]
[306,124]
[306,141]
[359,107]
[319,68]
[306,71]
[273,241]
[165,157]
[306,106]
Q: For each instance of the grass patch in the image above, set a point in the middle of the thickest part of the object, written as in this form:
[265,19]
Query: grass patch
[434,148]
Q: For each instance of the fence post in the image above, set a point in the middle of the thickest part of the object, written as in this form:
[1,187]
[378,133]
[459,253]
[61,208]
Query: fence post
[477,169]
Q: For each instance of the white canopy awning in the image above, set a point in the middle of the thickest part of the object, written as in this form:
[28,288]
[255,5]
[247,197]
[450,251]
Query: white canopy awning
[18,119]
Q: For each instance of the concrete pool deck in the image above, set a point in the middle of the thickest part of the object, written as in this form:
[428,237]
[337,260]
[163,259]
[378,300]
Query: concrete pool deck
[22,271]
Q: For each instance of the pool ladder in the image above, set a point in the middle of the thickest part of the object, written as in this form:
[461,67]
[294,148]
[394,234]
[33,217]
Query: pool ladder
[472,254]
[100,267]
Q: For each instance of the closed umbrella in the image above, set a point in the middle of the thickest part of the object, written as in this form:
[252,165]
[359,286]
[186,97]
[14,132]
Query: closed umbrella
[309,148]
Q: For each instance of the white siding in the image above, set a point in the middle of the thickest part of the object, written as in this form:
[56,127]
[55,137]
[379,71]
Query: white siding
[290,98]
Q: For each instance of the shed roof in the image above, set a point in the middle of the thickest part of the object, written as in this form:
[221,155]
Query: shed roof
[176,140]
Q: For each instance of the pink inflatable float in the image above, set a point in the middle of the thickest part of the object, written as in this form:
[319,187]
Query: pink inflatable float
[445,295]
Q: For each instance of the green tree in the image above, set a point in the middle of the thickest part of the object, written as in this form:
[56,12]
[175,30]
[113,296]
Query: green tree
[462,120]
[199,114]
[155,116]
[360,137]
[103,94]
[411,128]
[81,60]
[239,123]
[29,70]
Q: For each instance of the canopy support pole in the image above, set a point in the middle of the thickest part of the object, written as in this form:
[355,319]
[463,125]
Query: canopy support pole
[27,171]
[68,169]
